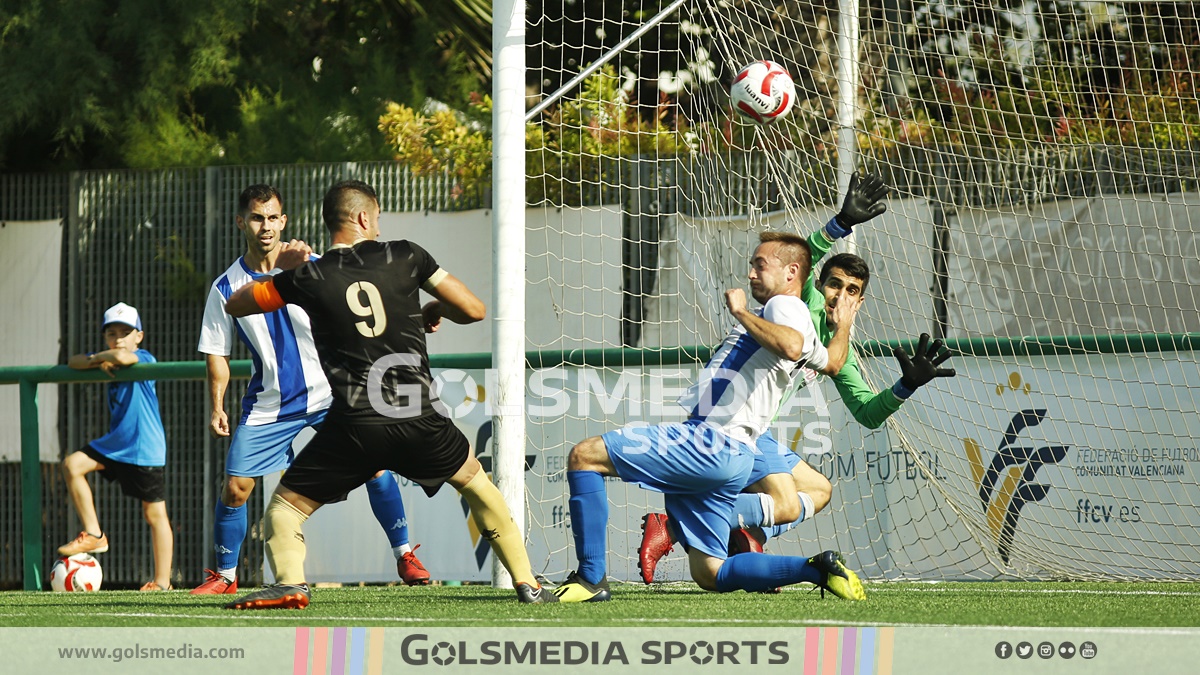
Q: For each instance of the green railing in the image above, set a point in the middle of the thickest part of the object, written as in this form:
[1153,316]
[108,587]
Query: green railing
[29,377]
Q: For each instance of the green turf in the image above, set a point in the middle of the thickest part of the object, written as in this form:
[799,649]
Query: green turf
[997,604]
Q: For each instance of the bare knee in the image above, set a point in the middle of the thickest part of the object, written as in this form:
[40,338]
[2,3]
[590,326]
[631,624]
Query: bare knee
[237,490]
[821,491]
[814,484]
[821,497]
[155,513]
[77,464]
[590,455]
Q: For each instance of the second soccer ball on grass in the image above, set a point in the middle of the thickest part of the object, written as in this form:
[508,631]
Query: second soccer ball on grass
[80,572]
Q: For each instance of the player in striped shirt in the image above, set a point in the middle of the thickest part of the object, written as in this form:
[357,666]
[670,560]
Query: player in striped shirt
[287,392]
[763,514]
[701,465]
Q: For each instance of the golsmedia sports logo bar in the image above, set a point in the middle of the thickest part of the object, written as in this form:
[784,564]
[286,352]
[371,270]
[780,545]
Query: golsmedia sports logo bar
[419,650]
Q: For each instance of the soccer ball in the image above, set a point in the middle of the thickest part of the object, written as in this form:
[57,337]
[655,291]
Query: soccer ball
[763,92]
[80,572]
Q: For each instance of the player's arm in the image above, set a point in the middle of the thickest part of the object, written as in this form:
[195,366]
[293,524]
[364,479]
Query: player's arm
[869,408]
[785,341]
[217,375]
[216,344]
[454,301]
[120,357]
[261,297]
[782,341]
[839,342]
[819,243]
[108,360]
[258,297]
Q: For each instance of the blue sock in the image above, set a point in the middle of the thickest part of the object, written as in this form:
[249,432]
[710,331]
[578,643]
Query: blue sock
[776,530]
[388,507]
[747,512]
[229,530]
[589,523]
[761,572]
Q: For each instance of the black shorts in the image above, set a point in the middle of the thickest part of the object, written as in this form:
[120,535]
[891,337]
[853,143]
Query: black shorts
[343,456]
[140,482]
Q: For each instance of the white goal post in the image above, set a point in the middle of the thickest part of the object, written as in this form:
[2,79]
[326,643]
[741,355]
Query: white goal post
[1042,221]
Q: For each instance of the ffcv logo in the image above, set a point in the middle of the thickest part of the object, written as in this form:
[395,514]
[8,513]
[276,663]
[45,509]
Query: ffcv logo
[1006,483]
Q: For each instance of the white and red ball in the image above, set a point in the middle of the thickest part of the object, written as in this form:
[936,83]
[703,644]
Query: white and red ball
[763,92]
[80,572]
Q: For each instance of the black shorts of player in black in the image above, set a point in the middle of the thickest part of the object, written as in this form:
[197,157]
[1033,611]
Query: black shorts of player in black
[343,456]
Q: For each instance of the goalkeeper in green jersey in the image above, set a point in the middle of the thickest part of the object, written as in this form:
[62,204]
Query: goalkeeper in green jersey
[776,504]
[843,278]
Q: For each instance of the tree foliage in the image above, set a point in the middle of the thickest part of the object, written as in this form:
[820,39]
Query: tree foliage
[585,135]
[996,77]
[152,83]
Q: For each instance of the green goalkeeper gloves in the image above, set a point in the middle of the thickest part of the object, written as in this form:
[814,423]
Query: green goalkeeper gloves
[864,201]
[921,368]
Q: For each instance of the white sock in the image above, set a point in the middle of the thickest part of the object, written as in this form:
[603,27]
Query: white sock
[807,507]
[768,507]
[229,575]
[400,550]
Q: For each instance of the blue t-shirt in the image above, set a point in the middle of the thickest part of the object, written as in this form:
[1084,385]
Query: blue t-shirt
[135,433]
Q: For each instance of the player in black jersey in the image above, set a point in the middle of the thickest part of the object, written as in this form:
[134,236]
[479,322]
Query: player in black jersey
[369,328]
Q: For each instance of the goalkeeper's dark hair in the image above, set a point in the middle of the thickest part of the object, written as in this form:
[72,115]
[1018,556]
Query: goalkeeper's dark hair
[792,249]
[345,200]
[849,263]
[259,192]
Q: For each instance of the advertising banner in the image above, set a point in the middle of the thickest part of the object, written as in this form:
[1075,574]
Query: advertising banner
[988,474]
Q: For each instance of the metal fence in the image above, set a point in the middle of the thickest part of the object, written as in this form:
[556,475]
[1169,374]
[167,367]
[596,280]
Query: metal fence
[156,239]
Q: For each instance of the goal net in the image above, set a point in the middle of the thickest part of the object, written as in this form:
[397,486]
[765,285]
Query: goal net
[1042,220]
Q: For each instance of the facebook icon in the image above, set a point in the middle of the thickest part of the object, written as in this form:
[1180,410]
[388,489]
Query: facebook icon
[1003,650]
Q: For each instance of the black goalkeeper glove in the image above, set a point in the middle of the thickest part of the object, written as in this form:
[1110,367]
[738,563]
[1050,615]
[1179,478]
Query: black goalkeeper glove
[864,201]
[922,367]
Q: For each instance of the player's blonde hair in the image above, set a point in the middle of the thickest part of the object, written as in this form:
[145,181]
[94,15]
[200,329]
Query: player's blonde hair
[792,249]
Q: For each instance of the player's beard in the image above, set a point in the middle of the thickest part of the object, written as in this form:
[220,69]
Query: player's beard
[264,249]
[760,294]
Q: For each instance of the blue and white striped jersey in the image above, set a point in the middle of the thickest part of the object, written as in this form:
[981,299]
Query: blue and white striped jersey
[743,385]
[286,379]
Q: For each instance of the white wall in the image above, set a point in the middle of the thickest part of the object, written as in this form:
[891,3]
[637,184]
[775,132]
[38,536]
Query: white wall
[573,273]
[30,264]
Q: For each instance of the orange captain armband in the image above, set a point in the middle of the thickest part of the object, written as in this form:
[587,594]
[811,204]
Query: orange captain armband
[266,297]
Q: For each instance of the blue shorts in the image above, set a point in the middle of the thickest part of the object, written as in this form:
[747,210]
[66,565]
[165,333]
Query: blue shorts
[773,457]
[256,451]
[699,470]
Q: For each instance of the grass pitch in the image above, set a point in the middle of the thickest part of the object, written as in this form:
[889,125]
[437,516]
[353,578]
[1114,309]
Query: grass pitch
[899,604]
